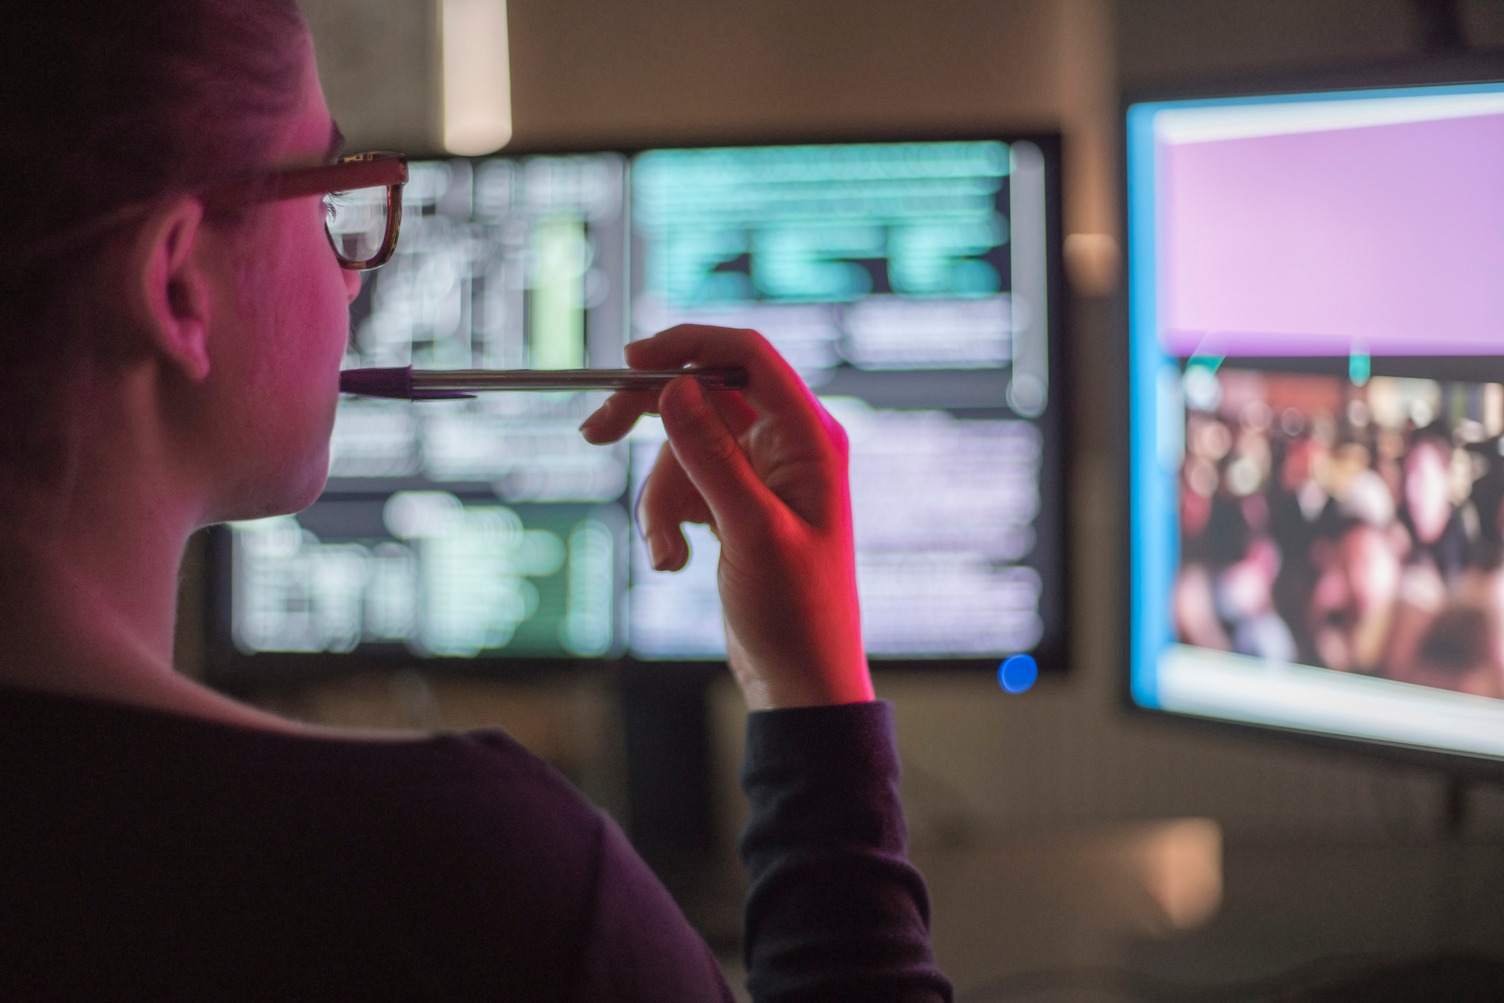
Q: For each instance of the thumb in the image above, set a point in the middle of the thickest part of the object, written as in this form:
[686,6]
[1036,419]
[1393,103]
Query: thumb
[711,457]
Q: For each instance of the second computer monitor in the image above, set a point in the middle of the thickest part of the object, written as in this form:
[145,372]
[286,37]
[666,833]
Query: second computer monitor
[1316,437]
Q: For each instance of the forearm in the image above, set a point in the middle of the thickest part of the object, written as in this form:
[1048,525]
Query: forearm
[835,911]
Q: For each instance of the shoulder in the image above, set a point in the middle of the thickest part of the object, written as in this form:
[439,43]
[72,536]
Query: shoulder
[480,859]
[476,803]
[456,866]
[554,884]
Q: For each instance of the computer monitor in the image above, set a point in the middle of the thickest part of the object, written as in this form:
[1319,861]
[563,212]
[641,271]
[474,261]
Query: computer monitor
[914,285]
[1315,436]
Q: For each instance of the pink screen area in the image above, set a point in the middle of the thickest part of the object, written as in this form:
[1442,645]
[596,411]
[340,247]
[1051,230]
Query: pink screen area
[1389,236]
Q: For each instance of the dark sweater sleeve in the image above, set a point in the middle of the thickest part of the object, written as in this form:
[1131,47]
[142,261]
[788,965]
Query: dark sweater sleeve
[834,911]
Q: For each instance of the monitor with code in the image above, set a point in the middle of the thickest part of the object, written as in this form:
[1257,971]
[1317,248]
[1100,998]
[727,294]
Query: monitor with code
[912,285]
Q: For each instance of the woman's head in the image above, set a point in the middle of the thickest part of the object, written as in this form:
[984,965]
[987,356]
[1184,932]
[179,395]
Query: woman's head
[115,114]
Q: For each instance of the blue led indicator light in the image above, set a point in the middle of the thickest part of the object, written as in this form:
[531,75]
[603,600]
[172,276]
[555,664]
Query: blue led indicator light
[1017,673]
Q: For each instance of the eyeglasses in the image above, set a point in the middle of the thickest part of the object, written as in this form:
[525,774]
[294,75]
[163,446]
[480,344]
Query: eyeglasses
[362,202]
[362,208]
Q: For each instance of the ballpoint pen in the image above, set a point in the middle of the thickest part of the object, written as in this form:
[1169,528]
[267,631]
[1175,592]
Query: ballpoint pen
[407,383]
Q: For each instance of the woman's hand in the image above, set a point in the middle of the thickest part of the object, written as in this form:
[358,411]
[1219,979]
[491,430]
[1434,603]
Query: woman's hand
[765,469]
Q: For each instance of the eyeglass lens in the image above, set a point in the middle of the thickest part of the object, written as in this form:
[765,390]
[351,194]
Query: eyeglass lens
[357,223]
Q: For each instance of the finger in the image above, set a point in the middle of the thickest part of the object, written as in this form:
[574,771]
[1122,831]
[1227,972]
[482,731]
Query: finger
[668,500]
[711,457]
[617,414]
[772,385]
[734,410]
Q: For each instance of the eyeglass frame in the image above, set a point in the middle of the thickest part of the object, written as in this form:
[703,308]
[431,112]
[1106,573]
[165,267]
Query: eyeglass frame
[375,169]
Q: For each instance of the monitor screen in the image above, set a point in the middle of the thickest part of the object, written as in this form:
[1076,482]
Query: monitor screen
[912,285]
[1316,428]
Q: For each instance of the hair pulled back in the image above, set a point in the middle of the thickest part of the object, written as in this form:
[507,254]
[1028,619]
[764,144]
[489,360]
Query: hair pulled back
[112,103]
[105,104]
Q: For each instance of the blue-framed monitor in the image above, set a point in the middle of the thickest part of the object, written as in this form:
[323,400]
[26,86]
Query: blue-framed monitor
[915,285]
[1315,430]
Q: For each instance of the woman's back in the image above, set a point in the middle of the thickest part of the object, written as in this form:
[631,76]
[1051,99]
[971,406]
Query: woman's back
[154,856]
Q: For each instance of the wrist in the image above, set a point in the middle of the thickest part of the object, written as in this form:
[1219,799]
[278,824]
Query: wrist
[808,686]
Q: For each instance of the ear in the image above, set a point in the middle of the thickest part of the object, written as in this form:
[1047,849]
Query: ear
[169,286]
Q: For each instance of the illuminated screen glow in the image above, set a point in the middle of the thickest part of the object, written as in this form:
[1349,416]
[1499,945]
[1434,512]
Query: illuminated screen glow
[1317,412]
[908,283]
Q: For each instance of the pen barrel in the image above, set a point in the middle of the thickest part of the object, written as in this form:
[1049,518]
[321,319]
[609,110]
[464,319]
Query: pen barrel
[571,379]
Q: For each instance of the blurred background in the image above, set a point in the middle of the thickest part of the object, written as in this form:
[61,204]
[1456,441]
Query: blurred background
[1057,831]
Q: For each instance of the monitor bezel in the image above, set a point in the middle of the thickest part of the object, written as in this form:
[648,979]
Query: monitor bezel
[226,666]
[1406,71]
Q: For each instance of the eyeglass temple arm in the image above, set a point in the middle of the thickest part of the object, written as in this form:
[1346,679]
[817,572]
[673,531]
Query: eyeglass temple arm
[346,174]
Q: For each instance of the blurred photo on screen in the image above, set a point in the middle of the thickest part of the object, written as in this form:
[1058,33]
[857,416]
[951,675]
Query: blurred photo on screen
[1352,527]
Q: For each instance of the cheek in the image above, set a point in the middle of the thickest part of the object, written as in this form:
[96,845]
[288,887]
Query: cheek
[301,323]
[313,295]
[302,320]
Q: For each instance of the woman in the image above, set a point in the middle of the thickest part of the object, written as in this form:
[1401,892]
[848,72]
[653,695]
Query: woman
[172,320]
